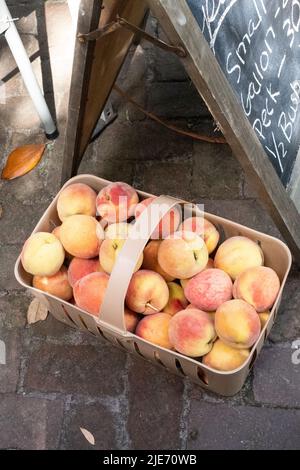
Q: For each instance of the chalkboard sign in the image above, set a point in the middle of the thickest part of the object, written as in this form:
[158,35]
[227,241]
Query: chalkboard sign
[244,58]
[257,44]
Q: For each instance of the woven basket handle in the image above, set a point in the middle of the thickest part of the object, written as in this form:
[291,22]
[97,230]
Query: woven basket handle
[112,309]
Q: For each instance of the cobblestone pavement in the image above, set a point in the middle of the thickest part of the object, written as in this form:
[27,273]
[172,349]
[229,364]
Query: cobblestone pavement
[56,379]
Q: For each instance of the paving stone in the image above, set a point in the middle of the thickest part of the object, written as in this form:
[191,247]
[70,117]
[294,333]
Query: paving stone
[56,331]
[8,256]
[117,170]
[218,426]
[141,141]
[97,419]
[155,406]
[246,212]
[13,308]
[276,378]
[9,372]
[287,324]
[166,67]
[175,100]
[30,423]
[12,232]
[216,173]
[13,112]
[82,369]
[173,178]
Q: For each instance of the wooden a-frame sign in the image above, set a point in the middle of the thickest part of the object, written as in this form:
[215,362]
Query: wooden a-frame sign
[97,63]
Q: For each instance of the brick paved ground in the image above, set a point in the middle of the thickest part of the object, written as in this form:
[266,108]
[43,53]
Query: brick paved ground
[56,379]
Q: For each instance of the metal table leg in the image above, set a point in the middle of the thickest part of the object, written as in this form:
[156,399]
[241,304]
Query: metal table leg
[8,28]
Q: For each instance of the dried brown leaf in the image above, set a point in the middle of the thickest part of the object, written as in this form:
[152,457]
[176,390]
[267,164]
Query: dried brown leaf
[37,311]
[22,160]
[88,435]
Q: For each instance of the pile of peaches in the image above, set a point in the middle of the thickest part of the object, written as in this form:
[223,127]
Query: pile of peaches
[189,293]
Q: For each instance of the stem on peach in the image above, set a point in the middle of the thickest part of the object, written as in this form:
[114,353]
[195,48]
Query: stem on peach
[149,305]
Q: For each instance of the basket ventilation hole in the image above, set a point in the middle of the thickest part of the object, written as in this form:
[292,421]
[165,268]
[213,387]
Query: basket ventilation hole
[120,343]
[68,315]
[259,243]
[158,359]
[100,332]
[179,367]
[266,335]
[83,322]
[137,349]
[253,359]
[202,375]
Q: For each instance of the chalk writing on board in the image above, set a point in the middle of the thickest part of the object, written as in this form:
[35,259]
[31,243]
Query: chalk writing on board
[257,44]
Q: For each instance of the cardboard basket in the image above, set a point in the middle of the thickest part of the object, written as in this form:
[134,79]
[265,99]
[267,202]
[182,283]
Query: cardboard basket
[110,324]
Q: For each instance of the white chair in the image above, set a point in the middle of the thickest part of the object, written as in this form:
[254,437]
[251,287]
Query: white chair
[8,28]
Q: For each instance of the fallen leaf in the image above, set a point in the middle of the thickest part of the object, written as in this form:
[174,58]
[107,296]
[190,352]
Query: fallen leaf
[22,160]
[88,435]
[37,311]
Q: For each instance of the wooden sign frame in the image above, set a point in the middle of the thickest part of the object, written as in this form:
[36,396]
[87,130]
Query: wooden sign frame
[209,79]
[96,66]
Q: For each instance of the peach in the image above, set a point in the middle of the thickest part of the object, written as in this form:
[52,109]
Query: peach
[57,284]
[264,317]
[110,250]
[147,292]
[78,198]
[237,324]
[168,224]
[119,230]
[42,254]
[116,202]
[79,267]
[210,265]
[237,254]
[56,232]
[151,262]
[192,332]
[211,314]
[259,286]
[79,237]
[131,320]
[89,292]
[209,289]
[224,357]
[204,228]
[183,254]
[177,300]
[155,329]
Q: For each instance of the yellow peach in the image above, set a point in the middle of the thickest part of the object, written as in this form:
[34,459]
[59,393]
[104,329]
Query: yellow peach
[57,284]
[259,286]
[183,254]
[155,329]
[80,236]
[204,228]
[78,198]
[225,358]
[237,324]
[192,332]
[151,262]
[42,254]
[237,254]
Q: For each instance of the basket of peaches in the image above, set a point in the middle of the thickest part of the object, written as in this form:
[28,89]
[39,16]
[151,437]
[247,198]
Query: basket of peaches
[190,292]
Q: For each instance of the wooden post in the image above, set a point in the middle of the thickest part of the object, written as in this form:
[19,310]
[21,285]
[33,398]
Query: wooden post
[95,69]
